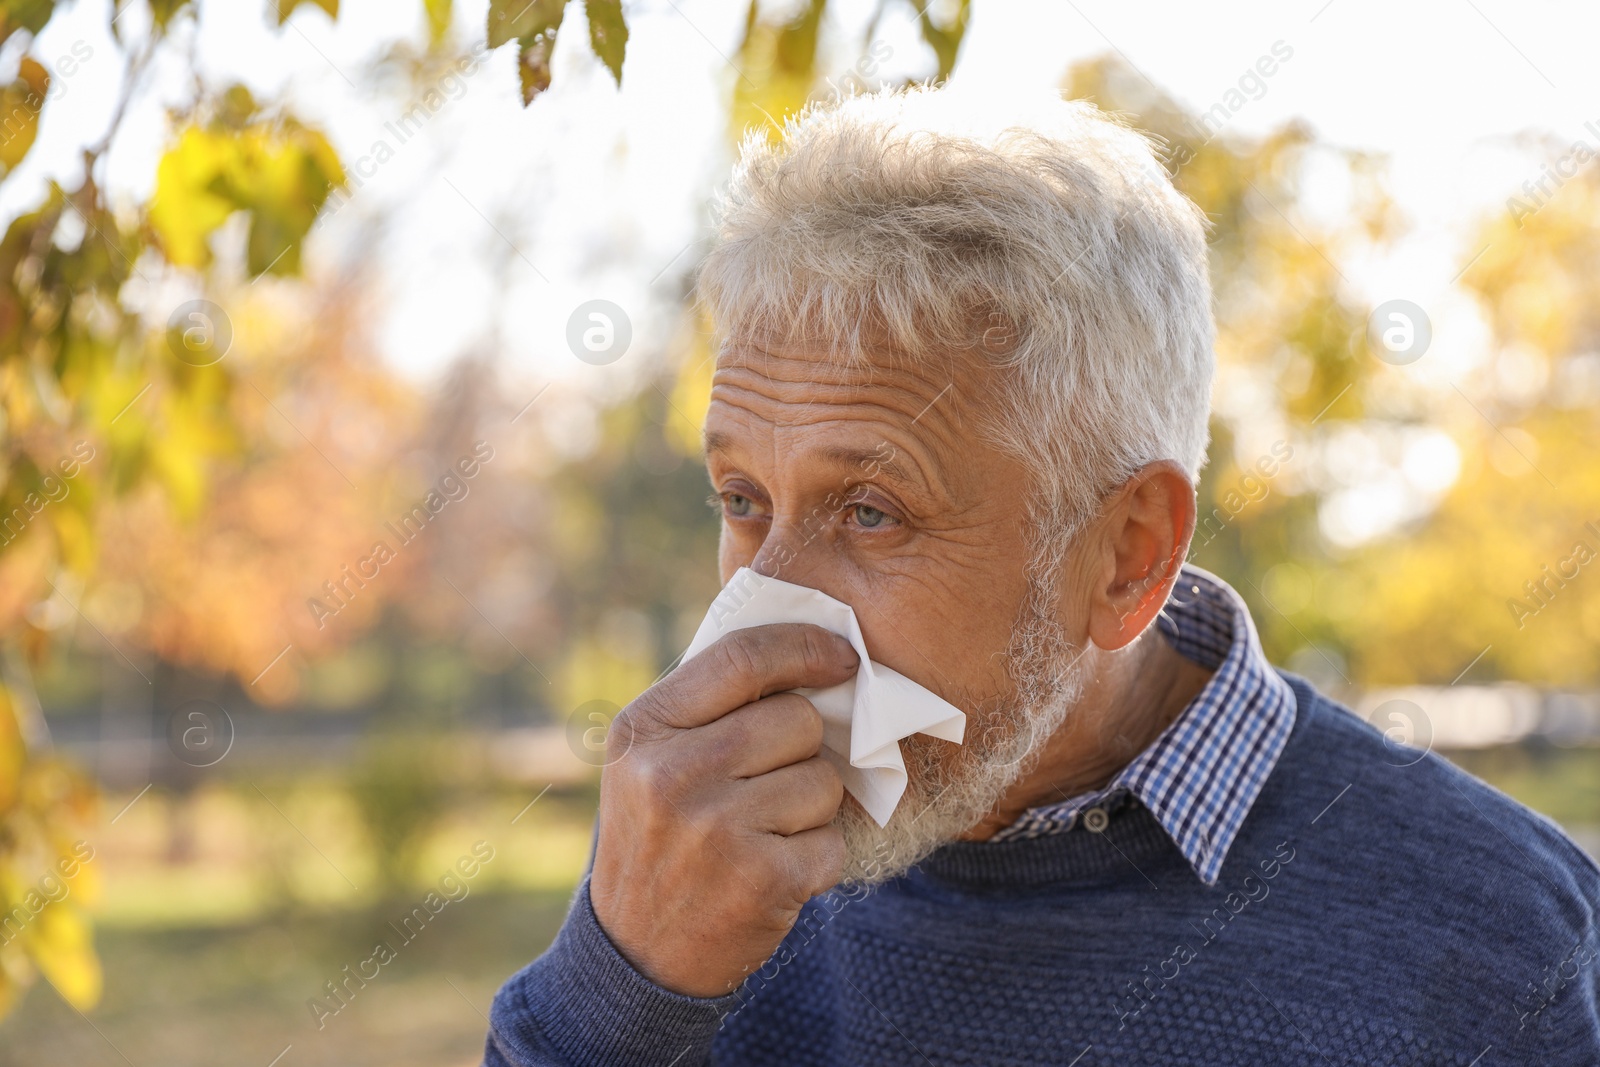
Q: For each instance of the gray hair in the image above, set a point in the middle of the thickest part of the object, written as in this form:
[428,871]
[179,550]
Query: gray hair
[1040,232]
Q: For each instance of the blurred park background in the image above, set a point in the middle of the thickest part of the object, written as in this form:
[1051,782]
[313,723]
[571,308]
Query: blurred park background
[328,541]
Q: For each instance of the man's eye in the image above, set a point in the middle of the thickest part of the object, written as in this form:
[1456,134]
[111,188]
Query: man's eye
[869,516]
[736,504]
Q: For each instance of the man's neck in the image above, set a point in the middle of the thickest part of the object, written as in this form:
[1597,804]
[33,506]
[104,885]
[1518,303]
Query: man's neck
[1133,695]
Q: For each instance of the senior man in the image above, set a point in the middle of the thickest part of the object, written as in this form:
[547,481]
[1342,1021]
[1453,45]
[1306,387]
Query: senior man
[963,386]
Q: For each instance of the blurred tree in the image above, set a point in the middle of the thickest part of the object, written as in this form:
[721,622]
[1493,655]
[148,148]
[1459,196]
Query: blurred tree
[1293,371]
[294,506]
[76,359]
[205,491]
[1493,575]
[44,927]
[1504,575]
[118,429]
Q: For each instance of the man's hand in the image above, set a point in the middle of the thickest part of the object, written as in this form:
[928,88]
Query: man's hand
[714,818]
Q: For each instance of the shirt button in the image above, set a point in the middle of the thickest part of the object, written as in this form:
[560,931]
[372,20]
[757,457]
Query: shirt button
[1095,820]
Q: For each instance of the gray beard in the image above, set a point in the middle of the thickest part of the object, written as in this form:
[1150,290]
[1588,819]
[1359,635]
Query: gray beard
[945,799]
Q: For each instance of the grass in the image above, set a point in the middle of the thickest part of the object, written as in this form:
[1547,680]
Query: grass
[237,994]
[221,914]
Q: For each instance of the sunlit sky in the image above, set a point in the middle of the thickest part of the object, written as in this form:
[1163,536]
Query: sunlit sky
[504,219]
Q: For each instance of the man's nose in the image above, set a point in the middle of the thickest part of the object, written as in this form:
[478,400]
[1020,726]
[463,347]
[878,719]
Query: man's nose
[795,550]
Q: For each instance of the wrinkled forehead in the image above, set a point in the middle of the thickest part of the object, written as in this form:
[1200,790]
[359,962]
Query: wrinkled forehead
[915,419]
[816,371]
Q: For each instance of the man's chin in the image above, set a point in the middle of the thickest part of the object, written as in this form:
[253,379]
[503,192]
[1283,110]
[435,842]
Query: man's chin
[875,854]
[952,789]
[931,814]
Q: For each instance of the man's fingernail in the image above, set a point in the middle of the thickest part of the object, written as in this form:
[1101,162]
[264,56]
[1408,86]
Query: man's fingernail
[847,653]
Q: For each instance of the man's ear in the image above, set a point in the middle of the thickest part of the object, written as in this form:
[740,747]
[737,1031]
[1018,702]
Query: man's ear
[1145,528]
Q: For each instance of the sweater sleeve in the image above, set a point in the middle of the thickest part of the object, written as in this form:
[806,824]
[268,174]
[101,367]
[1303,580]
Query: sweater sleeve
[581,1004]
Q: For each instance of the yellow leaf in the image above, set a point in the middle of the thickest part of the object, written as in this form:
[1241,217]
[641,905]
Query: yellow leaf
[87,883]
[281,173]
[287,8]
[177,458]
[187,206]
[11,751]
[438,12]
[20,104]
[75,539]
[61,946]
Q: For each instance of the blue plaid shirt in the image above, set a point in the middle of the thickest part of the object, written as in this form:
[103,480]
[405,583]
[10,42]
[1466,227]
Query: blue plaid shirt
[1201,775]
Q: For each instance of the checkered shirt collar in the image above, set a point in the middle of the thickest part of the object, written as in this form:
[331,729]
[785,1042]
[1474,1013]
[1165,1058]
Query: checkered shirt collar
[1201,776]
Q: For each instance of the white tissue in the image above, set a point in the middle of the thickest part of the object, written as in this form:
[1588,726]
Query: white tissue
[863,718]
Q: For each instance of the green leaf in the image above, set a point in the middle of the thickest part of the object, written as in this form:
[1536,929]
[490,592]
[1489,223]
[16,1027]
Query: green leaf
[438,12]
[608,34]
[283,184]
[523,20]
[162,11]
[287,8]
[281,173]
[533,64]
[533,25]
[30,15]
[946,39]
[236,107]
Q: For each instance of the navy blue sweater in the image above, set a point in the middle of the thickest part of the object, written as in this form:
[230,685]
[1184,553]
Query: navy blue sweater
[1368,913]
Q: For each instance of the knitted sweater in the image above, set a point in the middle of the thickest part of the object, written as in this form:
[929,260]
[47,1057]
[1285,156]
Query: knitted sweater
[1368,913]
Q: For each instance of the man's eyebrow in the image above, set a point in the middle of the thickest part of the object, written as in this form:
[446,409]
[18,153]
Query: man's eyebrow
[873,462]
